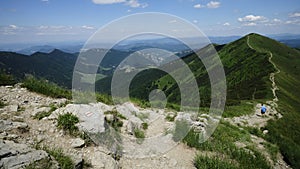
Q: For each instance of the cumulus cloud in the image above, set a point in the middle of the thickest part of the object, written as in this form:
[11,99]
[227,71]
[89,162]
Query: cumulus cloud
[252,18]
[87,27]
[131,3]
[13,27]
[108,1]
[293,22]
[250,24]
[276,20]
[198,6]
[136,4]
[226,24]
[213,4]
[293,15]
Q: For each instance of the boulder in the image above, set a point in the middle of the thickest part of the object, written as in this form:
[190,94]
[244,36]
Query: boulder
[12,108]
[14,156]
[77,143]
[39,110]
[6,125]
[109,117]
[91,118]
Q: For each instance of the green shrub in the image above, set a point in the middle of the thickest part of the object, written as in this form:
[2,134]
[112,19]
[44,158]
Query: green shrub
[2,104]
[145,126]
[46,88]
[205,162]
[41,164]
[65,162]
[104,98]
[139,133]
[170,118]
[6,79]
[255,131]
[67,123]
[222,142]
[41,115]
[117,122]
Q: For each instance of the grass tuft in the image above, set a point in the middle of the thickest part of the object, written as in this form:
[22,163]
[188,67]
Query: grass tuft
[67,123]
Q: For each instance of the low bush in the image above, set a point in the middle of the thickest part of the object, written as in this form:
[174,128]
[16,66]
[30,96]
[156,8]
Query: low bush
[139,133]
[46,88]
[67,123]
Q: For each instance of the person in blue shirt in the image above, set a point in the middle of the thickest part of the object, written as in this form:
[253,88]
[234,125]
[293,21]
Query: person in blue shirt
[263,109]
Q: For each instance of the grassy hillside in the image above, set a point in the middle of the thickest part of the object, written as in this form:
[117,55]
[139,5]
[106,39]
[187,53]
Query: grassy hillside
[285,131]
[56,66]
[247,73]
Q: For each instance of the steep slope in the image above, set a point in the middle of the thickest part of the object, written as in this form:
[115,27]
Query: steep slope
[285,131]
[247,73]
[56,66]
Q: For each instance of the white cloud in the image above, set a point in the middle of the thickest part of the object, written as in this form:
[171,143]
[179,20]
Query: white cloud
[198,6]
[293,15]
[276,20]
[87,27]
[131,3]
[43,27]
[45,0]
[195,21]
[293,22]
[108,1]
[252,18]
[226,24]
[213,4]
[136,4]
[250,24]
[13,27]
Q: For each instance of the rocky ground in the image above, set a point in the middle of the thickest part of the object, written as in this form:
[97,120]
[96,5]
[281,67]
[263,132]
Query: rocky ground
[20,133]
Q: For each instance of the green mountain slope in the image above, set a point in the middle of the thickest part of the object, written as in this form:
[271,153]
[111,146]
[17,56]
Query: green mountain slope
[247,73]
[56,66]
[285,131]
[248,68]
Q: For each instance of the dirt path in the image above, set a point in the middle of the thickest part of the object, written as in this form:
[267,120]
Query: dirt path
[258,121]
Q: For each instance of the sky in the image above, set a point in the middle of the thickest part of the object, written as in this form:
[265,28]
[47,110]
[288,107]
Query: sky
[42,21]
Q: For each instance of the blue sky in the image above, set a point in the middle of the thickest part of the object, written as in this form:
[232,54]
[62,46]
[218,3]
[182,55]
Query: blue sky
[43,21]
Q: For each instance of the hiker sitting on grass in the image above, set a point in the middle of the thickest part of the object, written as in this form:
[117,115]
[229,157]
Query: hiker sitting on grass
[263,109]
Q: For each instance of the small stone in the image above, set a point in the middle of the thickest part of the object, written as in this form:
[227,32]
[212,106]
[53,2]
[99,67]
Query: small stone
[18,118]
[37,111]
[77,143]
[12,108]
[51,130]
[109,117]
[265,131]
[11,136]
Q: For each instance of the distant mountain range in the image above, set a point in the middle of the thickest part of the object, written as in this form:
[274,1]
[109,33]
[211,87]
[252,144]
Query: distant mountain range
[135,45]
[247,70]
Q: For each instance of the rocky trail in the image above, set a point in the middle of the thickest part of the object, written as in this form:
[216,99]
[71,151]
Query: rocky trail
[259,121]
[20,133]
